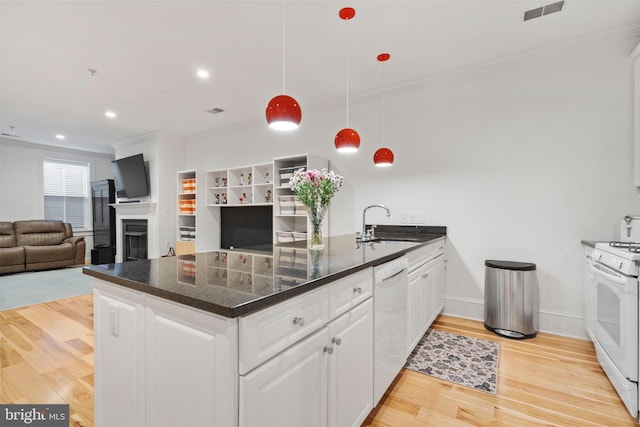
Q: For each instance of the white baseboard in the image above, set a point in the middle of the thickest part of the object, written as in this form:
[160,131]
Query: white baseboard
[553,322]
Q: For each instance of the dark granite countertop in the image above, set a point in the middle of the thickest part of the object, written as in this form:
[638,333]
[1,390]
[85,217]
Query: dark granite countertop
[235,282]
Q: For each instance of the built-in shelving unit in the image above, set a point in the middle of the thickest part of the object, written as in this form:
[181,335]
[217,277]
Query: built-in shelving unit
[242,186]
[263,184]
[290,222]
[186,233]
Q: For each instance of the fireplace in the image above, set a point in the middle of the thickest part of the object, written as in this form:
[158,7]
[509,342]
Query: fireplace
[134,239]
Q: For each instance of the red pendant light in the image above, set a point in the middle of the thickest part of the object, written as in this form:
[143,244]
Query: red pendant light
[383,157]
[347,140]
[283,112]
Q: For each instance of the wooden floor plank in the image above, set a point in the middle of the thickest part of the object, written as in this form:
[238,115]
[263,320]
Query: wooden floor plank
[46,356]
[546,380]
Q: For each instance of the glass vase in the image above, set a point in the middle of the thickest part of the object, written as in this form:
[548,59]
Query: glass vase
[316,216]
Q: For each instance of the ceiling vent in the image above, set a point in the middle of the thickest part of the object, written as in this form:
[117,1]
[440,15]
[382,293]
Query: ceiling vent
[544,10]
[215,110]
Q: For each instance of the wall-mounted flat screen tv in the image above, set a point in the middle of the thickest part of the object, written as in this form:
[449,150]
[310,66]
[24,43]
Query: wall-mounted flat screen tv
[130,176]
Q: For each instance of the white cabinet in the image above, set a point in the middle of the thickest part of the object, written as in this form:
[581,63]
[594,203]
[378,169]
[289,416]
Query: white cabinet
[161,364]
[636,114]
[417,306]
[350,375]
[316,368]
[289,390]
[267,332]
[119,358]
[435,284]
[190,356]
[426,292]
[344,294]
[186,233]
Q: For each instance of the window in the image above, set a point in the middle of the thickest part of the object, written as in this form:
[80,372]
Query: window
[66,192]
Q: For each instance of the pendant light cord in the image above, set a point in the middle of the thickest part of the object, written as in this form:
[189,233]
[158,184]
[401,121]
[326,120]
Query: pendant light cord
[383,102]
[283,46]
[347,61]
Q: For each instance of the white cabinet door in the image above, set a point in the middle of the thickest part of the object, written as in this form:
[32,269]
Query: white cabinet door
[190,361]
[119,357]
[349,292]
[415,308]
[289,390]
[351,367]
[435,290]
[267,332]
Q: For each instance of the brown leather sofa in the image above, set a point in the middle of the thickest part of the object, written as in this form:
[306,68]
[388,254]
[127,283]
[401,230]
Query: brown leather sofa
[39,245]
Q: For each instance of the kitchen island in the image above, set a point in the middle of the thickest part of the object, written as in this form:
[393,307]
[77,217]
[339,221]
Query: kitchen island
[262,336]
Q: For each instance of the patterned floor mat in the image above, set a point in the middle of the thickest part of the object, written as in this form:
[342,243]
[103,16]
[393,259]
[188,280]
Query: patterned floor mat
[471,362]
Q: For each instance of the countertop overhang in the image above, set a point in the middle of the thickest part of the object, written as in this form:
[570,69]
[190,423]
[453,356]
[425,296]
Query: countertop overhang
[341,257]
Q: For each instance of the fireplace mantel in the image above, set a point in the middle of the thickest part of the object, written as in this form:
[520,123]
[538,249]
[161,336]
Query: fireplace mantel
[137,208]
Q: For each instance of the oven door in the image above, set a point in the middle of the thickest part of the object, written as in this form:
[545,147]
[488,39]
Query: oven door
[614,317]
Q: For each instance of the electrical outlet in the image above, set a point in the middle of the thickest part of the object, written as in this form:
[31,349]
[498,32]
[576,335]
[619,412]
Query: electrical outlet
[404,218]
[416,218]
[167,244]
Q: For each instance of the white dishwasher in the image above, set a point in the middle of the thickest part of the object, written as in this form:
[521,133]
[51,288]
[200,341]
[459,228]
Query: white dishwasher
[390,323]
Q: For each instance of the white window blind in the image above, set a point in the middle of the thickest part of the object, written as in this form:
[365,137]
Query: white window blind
[66,191]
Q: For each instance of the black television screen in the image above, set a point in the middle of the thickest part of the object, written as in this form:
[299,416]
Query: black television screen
[130,177]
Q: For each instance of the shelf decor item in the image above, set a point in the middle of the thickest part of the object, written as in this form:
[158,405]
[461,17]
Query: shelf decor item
[315,188]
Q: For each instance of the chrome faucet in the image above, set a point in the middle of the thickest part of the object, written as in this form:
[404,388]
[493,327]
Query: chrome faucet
[364,227]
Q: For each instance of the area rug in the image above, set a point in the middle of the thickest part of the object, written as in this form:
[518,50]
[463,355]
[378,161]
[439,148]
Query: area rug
[470,362]
[36,287]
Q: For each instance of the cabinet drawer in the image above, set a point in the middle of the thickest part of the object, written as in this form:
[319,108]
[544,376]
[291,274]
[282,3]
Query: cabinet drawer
[267,332]
[425,253]
[349,292]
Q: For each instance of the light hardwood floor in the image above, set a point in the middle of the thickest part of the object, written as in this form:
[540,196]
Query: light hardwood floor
[46,356]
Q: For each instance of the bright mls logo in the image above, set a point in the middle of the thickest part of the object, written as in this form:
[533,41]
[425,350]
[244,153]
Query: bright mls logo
[34,415]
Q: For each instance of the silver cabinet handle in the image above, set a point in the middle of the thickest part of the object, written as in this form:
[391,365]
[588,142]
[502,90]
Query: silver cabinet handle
[298,321]
[328,349]
[336,340]
[357,290]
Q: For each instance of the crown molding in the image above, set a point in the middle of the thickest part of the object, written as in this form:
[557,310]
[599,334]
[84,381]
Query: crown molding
[54,148]
[622,33]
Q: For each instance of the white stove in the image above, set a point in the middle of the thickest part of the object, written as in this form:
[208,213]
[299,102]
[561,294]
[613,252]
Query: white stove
[611,314]
[621,256]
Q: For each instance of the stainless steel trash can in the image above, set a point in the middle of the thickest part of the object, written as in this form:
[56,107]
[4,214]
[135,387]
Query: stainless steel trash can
[510,298]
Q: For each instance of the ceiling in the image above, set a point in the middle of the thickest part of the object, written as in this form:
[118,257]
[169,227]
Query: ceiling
[146,54]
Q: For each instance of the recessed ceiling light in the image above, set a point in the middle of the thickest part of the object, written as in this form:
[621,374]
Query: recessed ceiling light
[203,74]
[60,136]
[110,114]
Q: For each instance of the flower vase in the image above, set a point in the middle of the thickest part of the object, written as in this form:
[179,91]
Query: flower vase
[316,216]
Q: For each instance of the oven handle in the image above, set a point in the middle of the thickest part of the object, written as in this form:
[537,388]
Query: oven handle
[604,271]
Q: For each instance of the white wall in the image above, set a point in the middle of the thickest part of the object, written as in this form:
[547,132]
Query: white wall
[21,186]
[521,161]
